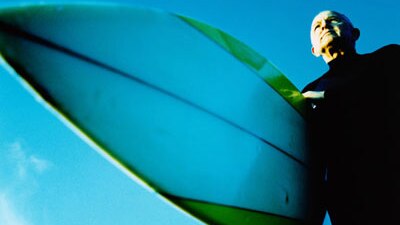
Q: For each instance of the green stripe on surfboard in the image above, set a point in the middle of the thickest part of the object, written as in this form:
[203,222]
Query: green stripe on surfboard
[225,215]
[265,69]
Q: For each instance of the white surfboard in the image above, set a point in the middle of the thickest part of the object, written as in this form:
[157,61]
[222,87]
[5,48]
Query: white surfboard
[196,114]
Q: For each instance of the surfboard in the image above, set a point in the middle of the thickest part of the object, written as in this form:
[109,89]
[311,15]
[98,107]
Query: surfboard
[76,184]
[197,115]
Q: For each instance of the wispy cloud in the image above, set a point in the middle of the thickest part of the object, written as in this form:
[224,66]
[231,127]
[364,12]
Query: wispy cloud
[26,163]
[21,171]
[38,164]
[8,214]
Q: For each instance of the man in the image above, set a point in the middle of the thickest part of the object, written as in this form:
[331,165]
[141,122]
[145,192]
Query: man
[354,111]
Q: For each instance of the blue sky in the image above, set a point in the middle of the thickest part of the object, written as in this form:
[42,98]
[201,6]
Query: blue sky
[48,175]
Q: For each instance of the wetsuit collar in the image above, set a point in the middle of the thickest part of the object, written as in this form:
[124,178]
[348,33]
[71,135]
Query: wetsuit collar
[343,61]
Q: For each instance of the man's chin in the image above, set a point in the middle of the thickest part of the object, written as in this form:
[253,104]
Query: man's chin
[327,40]
[331,43]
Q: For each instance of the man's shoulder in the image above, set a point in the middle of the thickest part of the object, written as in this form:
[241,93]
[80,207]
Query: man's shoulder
[390,47]
[383,65]
[312,86]
[391,50]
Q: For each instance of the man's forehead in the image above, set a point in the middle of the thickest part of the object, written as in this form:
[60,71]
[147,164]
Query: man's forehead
[326,14]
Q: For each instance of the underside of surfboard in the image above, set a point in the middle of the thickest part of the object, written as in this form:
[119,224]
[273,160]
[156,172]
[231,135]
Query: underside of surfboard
[196,114]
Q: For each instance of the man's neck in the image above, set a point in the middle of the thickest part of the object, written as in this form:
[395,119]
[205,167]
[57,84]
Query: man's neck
[332,53]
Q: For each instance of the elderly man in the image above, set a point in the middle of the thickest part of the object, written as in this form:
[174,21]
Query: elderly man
[354,112]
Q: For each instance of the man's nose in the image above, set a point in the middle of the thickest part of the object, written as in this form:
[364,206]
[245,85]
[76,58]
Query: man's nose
[325,24]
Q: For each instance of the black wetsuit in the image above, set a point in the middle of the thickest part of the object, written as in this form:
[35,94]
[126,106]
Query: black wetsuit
[356,130]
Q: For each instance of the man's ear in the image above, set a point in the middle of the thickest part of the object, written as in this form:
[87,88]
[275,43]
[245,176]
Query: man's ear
[314,52]
[355,34]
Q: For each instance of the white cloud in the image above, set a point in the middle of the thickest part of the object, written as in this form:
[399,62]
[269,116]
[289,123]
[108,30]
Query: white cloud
[21,182]
[26,163]
[8,215]
[19,158]
[40,165]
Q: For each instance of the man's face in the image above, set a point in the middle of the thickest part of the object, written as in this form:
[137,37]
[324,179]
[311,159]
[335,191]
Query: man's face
[329,28]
